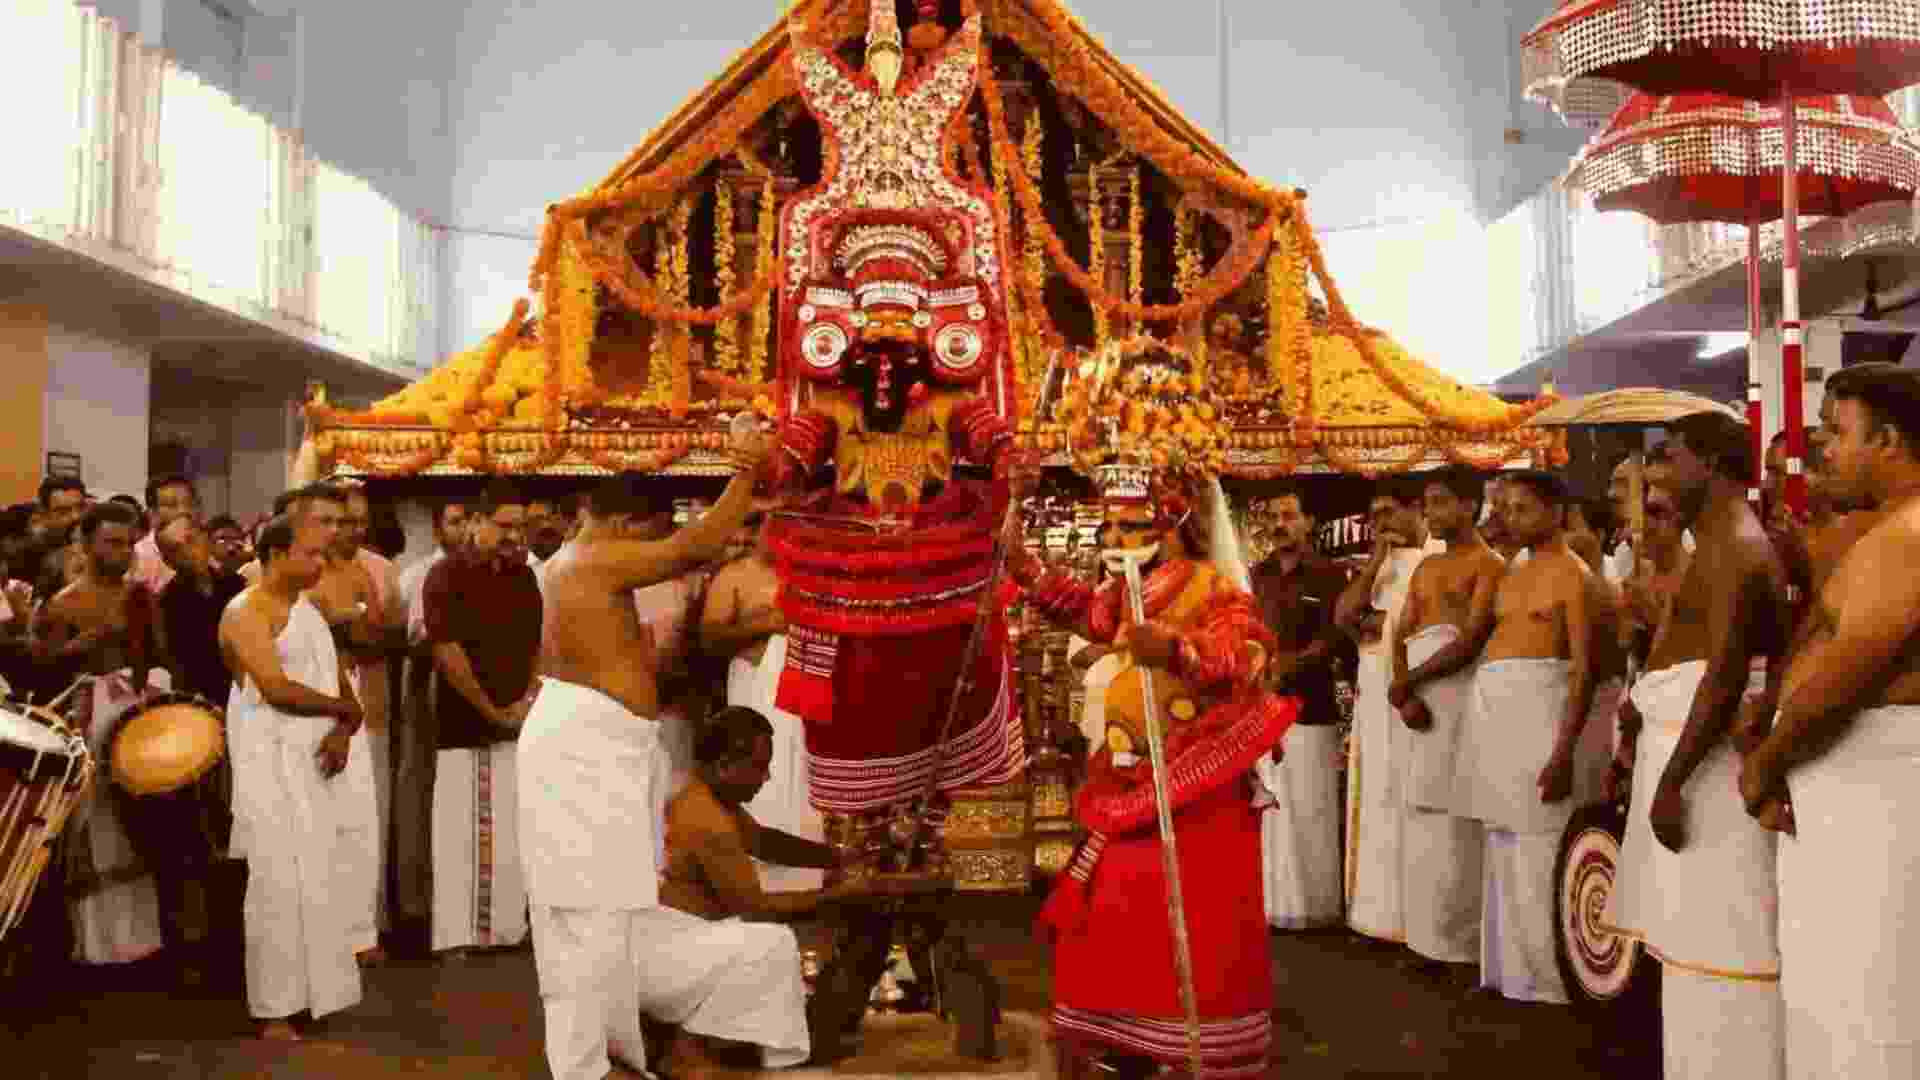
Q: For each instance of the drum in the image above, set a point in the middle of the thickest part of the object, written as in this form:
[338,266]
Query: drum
[166,743]
[173,789]
[1608,975]
[44,773]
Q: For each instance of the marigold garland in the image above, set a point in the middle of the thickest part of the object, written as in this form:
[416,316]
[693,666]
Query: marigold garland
[1224,278]
[1034,280]
[726,332]
[1097,253]
[765,265]
[633,289]
[1136,270]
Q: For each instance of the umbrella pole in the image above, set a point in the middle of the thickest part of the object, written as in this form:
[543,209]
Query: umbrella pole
[1756,430]
[1793,386]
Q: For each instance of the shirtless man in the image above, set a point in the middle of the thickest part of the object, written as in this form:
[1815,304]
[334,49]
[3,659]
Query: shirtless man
[101,628]
[742,619]
[1521,747]
[1720,998]
[591,794]
[1447,618]
[1493,528]
[1847,744]
[1657,571]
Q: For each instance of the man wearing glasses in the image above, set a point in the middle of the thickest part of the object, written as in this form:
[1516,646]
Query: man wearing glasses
[483,619]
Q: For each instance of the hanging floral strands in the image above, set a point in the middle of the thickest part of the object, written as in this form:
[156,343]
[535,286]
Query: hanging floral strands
[726,332]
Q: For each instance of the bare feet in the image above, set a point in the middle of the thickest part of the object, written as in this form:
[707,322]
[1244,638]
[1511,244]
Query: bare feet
[279,1031]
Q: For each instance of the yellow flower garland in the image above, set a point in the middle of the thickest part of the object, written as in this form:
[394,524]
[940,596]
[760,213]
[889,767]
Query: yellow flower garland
[726,346]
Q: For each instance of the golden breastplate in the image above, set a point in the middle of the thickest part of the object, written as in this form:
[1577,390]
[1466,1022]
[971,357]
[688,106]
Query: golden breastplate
[892,467]
[1126,706]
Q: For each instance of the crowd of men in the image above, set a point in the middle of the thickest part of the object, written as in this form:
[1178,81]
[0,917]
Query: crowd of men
[1748,671]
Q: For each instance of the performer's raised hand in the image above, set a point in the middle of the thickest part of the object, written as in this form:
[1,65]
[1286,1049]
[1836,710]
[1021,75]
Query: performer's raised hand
[747,446]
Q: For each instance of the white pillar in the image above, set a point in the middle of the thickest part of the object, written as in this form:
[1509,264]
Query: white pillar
[1823,359]
[1768,346]
[98,405]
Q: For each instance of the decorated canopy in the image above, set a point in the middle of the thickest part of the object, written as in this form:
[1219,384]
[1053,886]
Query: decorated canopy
[1080,208]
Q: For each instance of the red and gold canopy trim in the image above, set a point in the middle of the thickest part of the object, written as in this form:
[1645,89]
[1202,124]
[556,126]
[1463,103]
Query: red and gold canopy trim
[1737,46]
[1709,157]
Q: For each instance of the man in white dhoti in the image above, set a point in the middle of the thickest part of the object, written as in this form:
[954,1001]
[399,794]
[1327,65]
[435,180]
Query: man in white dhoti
[1300,834]
[592,778]
[290,723]
[103,625]
[483,622]
[349,601]
[742,619]
[1446,621]
[1846,747]
[1526,757]
[1696,879]
[1368,611]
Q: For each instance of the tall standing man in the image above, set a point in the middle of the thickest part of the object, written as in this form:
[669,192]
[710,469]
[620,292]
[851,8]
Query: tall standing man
[1296,590]
[1521,748]
[1369,611]
[1846,745]
[290,724]
[483,618]
[592,795]
[1697,878]
[1447,620]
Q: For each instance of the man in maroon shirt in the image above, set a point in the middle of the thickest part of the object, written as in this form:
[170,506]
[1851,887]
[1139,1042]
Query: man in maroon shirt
[483,618]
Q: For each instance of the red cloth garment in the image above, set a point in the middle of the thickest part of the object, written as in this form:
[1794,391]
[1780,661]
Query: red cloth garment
[1115,982]
[878,626]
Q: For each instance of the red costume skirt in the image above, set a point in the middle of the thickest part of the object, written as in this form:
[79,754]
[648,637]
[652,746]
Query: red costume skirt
[878,624]
[1114,983]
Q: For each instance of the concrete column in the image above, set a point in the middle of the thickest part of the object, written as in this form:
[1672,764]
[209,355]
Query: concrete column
[24,357]
[1823,354]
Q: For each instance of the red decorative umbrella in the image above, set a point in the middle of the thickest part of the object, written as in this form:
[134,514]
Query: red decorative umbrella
[1710,157]
[1766,50]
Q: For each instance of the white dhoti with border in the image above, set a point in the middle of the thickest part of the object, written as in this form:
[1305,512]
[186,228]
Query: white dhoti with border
[1512,724]
[1300,832]
[592,785]
[1709,913]
[1850,905]
[783,803]
[1442,853]
[300,934]
[116,914]
[479,889]
[1373,806]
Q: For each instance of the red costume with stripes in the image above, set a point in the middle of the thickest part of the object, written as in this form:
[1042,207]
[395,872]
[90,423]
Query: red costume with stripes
[1114,981]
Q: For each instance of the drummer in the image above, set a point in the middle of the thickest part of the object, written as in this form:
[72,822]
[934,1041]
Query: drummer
[104,626]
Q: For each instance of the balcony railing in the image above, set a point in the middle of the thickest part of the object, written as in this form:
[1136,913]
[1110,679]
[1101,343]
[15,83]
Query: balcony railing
[117,151]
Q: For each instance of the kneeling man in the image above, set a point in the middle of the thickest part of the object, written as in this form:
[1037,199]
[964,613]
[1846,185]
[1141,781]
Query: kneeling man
[724,975]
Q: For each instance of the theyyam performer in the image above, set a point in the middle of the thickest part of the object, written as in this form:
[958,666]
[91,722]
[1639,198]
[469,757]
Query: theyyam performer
[593,789]
[1140,422]
[1696,879]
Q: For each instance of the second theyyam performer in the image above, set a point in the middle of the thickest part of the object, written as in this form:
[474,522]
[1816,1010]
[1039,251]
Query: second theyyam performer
[593,778]
[1140,422]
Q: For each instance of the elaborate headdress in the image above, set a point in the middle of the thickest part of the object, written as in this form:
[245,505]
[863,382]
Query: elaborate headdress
[1142,423]
[895,258]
